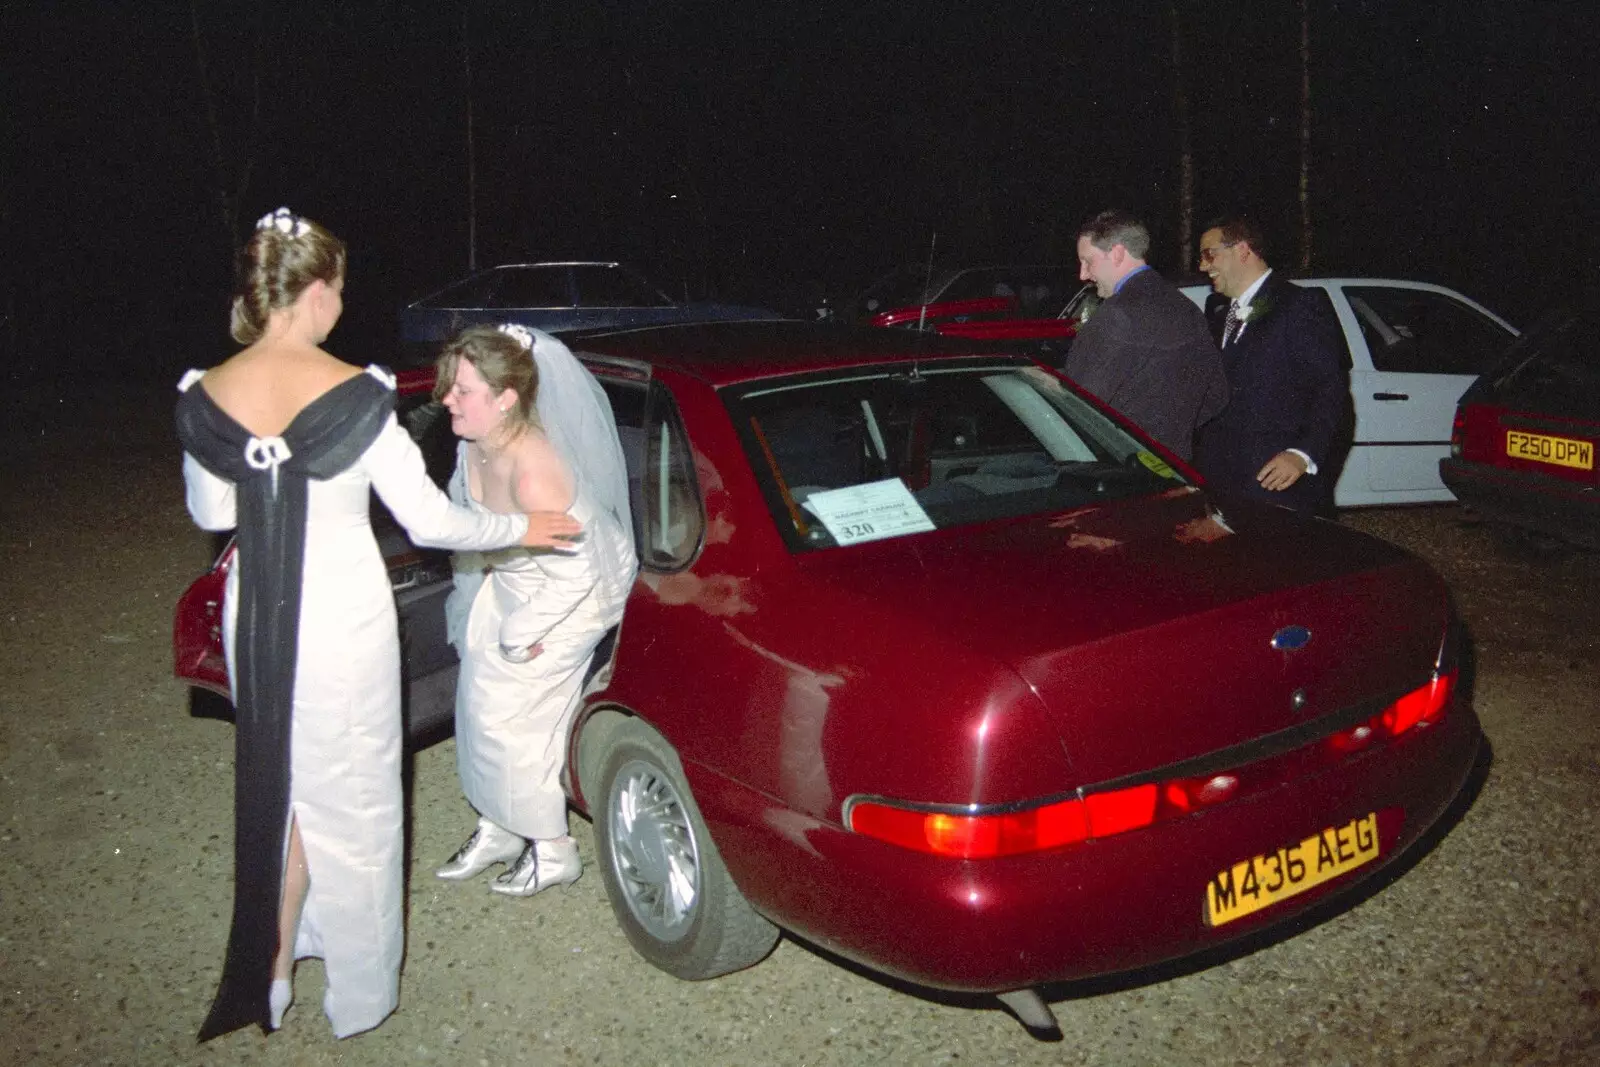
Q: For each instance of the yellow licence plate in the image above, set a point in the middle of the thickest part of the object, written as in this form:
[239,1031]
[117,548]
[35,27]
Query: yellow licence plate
[1262,881]
[1560,451]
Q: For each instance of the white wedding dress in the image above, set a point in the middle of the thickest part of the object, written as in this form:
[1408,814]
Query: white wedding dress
[512,718]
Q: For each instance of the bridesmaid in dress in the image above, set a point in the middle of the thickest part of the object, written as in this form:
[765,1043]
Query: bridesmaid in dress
[285,443]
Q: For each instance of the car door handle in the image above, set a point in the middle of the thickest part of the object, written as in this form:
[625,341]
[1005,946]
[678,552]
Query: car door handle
[1391,396]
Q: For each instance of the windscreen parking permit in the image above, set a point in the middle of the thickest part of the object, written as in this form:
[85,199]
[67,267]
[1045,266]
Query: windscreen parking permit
[869,512]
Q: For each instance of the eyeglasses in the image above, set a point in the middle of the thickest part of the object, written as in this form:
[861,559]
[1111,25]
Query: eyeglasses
[1207,255]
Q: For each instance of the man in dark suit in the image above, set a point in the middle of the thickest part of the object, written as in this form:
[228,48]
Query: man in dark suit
[1276,439]
[1145,351]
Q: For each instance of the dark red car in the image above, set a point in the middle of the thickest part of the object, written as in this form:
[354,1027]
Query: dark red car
[1036,309]
[1522,452]
[939,665]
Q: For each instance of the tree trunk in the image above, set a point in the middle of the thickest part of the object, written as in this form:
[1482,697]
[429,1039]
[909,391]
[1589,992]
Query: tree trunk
[1305,136]
[472,149]
[231,170]
[1180,109]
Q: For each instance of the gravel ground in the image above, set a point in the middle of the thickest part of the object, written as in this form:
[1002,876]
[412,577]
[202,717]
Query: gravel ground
[115,828]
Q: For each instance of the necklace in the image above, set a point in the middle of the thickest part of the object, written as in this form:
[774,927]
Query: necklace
[485,454]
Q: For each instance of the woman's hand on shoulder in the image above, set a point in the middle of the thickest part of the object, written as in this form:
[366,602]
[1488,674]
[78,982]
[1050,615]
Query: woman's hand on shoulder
[551,529]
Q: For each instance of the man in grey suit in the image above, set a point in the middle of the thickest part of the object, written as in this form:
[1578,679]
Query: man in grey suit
[1146,351]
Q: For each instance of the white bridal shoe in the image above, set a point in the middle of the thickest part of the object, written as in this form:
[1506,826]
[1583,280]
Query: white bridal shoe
[489,844]
[541,865]
[279,998]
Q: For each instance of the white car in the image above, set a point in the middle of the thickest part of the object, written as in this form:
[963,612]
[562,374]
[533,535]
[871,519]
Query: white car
[1413,348]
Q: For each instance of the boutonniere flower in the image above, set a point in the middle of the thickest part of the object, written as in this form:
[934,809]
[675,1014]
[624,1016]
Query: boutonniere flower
[1258,309]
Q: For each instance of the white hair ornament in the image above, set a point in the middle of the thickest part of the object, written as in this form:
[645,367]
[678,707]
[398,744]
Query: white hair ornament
[518,333]
[285,222]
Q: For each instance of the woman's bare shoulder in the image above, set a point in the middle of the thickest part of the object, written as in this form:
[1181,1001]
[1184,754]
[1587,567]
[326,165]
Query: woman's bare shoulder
[541,481]
[265,387]
[284,363]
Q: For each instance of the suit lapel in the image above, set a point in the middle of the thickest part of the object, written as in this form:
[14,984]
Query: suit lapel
[1268,300]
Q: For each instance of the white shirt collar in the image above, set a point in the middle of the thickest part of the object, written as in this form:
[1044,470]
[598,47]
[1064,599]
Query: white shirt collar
[1250,294]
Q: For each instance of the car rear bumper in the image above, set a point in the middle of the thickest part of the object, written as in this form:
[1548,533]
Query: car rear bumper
[1536,501]
[1107,906]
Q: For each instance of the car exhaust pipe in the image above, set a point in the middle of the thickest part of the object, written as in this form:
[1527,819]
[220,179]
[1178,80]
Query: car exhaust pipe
[1033,1013]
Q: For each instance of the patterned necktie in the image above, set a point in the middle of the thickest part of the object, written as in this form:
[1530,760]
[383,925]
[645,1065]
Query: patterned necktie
[1230,324]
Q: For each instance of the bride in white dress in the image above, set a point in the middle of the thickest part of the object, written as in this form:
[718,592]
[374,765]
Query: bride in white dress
[286,443]
[538,435]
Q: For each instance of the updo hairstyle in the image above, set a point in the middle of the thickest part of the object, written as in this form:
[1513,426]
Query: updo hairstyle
[500,360]
[274,267]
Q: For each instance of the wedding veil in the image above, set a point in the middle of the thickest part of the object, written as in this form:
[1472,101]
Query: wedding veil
[577,419]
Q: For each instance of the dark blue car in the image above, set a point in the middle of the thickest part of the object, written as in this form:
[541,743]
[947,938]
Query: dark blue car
[552,297]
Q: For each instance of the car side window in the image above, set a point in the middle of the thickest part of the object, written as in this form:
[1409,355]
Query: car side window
[1419,331]
[1560,377]
[615,287]
[474,292]
[627,407]
[672,524]
[533,287]
[979,284]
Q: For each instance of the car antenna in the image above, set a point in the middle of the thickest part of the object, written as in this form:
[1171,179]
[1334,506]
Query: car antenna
[922,318]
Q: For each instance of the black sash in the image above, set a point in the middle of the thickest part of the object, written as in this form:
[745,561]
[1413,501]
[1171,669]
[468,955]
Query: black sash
[271,477]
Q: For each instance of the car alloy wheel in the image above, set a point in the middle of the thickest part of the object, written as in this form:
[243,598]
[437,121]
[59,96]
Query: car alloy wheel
[653,850]
[670,892]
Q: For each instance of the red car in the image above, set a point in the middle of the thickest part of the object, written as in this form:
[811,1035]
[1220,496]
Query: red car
[936,663]
[1522,452]
[1037,309]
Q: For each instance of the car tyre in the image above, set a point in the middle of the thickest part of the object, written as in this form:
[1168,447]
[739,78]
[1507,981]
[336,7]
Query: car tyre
[672,895]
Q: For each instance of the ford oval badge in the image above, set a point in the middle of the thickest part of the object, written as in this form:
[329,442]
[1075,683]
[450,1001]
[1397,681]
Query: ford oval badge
[1291,639]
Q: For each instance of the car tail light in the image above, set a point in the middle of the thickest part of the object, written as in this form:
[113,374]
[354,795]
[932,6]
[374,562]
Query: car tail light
[1424,705]
[1184,795]
[1122,810]
[973,836]
[1067,822]
[1458,434]
[1093,815]
[1354,739]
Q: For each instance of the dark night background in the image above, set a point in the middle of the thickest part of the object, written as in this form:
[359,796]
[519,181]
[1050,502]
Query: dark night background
[765,152]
